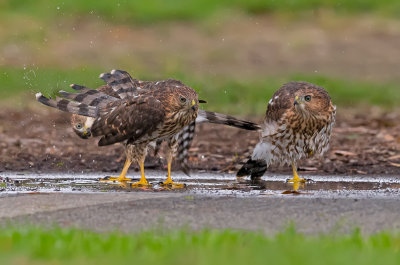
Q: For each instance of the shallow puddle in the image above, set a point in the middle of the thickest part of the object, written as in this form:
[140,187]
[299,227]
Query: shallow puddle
[205,183]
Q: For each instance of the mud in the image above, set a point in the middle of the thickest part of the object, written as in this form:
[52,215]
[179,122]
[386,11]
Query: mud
[41,140]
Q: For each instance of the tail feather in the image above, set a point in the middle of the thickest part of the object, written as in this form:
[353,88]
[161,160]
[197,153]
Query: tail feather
[185,139]
[121,82]
[219,118]
[68,106]
[254,168]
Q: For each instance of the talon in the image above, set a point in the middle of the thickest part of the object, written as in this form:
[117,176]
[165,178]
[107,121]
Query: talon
[296,180]
[118,179]
[122,177]
[170,183]
[143,181]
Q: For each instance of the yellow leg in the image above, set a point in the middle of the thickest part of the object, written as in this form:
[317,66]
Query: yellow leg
[121,177]
[169,181]
[143,181]
[295,178]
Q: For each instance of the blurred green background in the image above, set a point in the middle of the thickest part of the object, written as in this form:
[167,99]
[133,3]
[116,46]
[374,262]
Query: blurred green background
[234,53]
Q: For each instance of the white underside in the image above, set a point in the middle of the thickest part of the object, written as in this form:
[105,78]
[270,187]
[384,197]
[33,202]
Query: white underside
[277,150]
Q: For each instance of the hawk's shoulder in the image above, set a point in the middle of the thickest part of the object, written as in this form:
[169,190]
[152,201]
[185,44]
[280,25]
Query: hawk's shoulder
[280,103]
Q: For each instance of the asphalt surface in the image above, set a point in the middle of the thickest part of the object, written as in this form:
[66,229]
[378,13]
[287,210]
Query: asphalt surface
[327,204]
[136,211]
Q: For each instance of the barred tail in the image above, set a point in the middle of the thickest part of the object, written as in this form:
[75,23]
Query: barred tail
[185,139]
[219,118]
[254,168]
[121,82]
[68,106]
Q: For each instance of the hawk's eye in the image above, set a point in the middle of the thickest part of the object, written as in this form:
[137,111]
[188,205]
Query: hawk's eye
[182,99]
[78,126]
[307,98]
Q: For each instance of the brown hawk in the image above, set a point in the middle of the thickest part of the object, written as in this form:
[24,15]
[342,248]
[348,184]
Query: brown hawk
[181,143]
[135,119]
[297,124]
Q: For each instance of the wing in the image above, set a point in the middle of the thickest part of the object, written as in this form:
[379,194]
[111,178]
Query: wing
[90,97]
[122,83]
[68,106]
[137,119]
[280,102]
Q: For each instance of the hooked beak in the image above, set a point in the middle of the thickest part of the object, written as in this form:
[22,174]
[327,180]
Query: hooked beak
[296,100]
[87,133]
[193,104]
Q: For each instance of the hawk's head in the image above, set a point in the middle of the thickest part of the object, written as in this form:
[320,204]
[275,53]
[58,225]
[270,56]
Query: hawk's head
[185,102]
[312,100]
[82,125]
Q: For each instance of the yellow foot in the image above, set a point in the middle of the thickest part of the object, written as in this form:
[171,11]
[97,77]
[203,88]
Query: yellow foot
[170,183]
[296,180]
[297,185]
[119,179]
[141,183]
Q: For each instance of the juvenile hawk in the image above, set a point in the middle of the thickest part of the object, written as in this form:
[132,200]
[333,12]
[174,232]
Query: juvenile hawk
[298,123]
[137,118]
[180,143]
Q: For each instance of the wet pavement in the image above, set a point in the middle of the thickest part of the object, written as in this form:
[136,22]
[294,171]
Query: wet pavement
[209,184]
[327,204]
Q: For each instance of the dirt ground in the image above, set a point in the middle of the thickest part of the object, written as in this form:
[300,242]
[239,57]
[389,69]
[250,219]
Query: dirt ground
[34,140]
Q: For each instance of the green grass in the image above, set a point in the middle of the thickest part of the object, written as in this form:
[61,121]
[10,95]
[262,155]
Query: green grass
[161,10]
[224,94]
[66,246]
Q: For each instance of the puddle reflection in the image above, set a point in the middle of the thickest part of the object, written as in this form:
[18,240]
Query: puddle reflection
[204,184]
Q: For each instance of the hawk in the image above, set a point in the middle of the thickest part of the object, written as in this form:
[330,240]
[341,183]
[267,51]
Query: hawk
[136,119]
[180,143]
[297,124]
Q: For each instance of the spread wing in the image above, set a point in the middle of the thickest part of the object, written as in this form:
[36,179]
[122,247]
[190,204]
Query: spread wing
[68,106]
[137,119]
[121,83]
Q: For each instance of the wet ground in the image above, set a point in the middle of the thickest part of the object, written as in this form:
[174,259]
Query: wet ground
[328,204]
[207,184]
